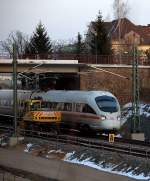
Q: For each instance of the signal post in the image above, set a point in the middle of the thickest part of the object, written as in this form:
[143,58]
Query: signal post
[14,139]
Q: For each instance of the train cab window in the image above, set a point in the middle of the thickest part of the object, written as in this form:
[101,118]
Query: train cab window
[35,107]
[32,105]
[107,103]
[88,109]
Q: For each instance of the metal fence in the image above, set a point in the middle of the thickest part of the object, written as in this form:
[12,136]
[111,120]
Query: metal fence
[91,59]
[88,58]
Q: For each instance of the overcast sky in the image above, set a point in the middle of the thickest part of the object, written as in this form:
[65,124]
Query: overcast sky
[63,19]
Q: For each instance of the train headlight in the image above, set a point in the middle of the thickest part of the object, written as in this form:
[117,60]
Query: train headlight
[103,117]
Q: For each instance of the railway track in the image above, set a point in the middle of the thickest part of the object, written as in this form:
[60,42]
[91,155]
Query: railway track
[5,133]
[135,148]
[122,146]
[6,129]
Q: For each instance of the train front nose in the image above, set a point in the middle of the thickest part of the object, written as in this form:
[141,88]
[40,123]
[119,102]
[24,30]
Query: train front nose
[111,122]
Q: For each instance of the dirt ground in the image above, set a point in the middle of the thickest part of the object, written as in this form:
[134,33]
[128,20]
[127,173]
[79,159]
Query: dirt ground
[7,176]
[43,153]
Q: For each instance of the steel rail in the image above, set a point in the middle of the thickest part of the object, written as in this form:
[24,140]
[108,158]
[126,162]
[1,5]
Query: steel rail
[118,147]
[133,147]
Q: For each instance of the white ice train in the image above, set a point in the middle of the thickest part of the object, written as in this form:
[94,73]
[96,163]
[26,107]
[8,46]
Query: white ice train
[95,110]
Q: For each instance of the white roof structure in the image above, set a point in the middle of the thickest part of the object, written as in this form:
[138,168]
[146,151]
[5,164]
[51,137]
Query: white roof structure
[34,61]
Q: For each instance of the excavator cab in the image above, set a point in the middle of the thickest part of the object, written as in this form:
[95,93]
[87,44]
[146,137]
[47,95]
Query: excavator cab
[32,105]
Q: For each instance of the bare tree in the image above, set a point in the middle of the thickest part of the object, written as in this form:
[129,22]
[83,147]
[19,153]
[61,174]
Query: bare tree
[64,46]
[121,9]
[58,46]
[17,38]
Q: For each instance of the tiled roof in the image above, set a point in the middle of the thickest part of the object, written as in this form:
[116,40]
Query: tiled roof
[127,26]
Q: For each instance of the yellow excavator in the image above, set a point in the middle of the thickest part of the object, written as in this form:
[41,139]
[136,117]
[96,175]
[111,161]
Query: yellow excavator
[37,118]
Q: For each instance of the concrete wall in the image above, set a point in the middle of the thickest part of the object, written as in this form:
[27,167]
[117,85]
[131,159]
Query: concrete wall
[121,88]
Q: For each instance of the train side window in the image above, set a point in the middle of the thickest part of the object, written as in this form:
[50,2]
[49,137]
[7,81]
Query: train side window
[48,105]
[73,107]
[11,103]
[19,103]
[44,104]
[67,106]
[22,104]
[52,105]
[7,103]
[26,107]
[79,107]
[1,102]
[4,102]
[88,109]
[60,106]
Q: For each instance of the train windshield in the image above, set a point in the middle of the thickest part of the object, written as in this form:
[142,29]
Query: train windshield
[107,104]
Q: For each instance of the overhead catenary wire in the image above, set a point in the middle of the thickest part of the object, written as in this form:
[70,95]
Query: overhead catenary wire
[109,72]
[27,70]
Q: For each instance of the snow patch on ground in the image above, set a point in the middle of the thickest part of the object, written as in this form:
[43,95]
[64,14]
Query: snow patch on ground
[28,147]
[69,157]
[144,109]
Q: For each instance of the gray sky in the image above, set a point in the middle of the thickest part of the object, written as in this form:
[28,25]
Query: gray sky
[63,19]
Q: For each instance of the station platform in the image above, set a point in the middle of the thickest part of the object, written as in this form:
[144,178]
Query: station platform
[38,168]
